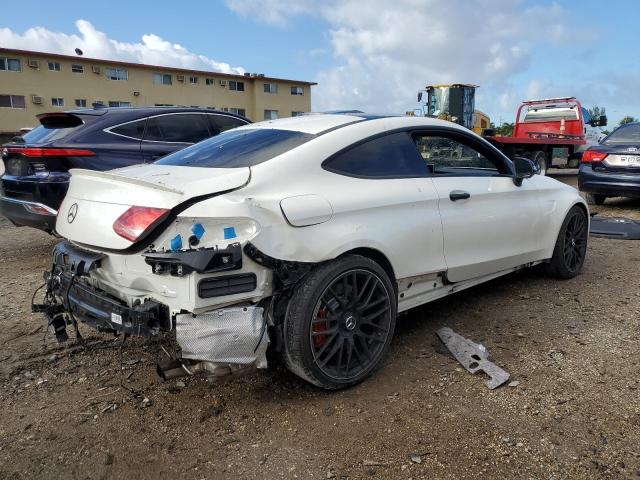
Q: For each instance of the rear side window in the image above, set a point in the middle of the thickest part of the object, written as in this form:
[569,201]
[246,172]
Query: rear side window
[178,128]
[132,129]
[237,148]
[226,123]
[389,156]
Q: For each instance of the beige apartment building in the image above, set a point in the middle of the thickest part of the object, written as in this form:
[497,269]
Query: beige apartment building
[35,82]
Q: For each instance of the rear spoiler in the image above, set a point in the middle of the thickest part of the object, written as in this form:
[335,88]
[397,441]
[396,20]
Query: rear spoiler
[66,119]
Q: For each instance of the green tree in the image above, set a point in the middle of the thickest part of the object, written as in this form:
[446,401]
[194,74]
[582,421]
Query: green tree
[628,119]
[596,111]
[504,130]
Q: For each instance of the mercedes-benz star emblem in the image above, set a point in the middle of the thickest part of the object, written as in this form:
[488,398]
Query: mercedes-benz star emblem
[73,211]
[350,322]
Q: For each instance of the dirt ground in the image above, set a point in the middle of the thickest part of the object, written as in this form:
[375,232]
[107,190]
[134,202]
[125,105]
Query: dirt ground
[572,346]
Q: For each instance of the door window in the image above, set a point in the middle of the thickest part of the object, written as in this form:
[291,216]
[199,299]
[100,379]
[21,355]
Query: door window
[389,156]
[182,128]
[447,156]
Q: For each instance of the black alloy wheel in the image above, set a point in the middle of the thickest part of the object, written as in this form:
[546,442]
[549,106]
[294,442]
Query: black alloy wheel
[571,245]
[340,322]
[350,324]
[575,241]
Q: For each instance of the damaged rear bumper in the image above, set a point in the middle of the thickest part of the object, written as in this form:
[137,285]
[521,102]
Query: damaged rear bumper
[223,340]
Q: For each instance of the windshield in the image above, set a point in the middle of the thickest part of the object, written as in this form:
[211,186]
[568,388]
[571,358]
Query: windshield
[625,134]
[237,148]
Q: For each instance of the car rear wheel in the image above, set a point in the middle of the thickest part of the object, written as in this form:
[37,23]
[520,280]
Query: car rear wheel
[595,199]
[340,322]
[571,245]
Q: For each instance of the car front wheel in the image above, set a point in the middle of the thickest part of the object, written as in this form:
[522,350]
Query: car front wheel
[339,322]
[571,245]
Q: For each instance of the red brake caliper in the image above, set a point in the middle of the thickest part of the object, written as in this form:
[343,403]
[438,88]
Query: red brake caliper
[319,327]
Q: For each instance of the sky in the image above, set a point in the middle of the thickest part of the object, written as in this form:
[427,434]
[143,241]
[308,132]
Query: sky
[372,55]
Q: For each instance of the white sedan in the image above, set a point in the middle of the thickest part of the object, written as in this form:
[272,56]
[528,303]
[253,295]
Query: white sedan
[302,236]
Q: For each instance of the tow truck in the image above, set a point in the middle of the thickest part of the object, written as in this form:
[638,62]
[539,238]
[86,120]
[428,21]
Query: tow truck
[552,132]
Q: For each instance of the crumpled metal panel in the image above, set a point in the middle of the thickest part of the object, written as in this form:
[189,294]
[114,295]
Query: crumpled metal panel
[474,357]
[236,335]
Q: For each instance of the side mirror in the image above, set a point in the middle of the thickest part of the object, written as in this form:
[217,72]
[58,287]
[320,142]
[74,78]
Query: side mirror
[602,122]
[525,168]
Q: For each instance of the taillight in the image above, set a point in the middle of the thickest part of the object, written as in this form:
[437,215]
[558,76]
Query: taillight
[133,223]
[50,152]
[592,156]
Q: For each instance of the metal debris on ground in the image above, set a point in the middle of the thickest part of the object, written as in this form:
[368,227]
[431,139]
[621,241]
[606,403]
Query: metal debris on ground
[614,227]
[474,357]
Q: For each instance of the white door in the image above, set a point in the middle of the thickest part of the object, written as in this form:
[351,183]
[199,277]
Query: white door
[489,224]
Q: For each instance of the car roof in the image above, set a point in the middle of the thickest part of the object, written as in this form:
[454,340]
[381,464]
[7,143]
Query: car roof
[137,112]
[317,123]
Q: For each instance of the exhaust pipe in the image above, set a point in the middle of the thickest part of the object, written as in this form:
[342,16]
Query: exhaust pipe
[175,368]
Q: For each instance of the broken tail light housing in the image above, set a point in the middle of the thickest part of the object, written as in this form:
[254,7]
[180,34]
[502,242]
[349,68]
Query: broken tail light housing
[137,221]
[593,156]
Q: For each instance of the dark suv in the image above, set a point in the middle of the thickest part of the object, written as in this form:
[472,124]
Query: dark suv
[37,164]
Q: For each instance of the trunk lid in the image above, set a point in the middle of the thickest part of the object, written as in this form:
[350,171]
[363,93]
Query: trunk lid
[95,200]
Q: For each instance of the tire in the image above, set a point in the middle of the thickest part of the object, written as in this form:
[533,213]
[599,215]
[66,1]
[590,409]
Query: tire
[339,323]
[595,199]
[571,245]
[539,158]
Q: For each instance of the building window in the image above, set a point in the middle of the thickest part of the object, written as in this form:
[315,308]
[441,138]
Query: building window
[237,86]
[162,78]
[270,114]
[97,103]
[118,103]
[297,90]
[54,66]
[237,111]
[11,64]
[81,102]
[270,88]
[77,68]
[296,114]
[208,81]
[163,105]
[12,101]
[193,80]
[117,74]
[57,102]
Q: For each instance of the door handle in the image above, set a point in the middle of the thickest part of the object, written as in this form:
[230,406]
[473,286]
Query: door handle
[459,195]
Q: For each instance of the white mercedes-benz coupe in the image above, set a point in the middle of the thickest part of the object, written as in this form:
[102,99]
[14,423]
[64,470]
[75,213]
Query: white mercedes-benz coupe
[301,239]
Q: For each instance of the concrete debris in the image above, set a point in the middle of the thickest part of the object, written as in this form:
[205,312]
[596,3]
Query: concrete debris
[474,357]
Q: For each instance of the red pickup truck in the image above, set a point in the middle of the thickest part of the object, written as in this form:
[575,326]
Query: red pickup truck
[552,132]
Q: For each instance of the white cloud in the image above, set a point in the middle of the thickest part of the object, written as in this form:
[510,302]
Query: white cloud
[153,50]
[274,12]
[384,52]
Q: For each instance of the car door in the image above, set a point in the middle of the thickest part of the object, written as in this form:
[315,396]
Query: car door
[170,132]
[489,224]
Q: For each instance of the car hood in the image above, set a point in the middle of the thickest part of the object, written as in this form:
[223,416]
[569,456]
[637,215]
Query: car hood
[95,199]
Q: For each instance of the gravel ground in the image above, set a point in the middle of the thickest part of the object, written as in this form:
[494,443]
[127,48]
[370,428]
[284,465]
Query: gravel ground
[571,345]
